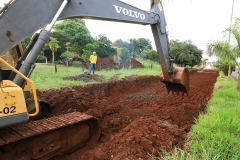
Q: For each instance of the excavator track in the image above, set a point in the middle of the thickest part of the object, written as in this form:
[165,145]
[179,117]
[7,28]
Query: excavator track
[46,138]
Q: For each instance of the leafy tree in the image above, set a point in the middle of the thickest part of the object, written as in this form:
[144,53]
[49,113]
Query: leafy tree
[204,61]
[104,46]
[118,43]
[127,44]
[235,32]
[185,53]
[150,54]
[131,45]
[125,55]
[64,41]
[53,45]
[40,59]
[66,55]
[26,42]
[75,32]
[223,66]
[141,43]
[224,51]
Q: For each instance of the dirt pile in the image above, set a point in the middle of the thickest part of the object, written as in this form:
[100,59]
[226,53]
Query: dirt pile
[105,63]
[132,63]
[136,114]
[86,78]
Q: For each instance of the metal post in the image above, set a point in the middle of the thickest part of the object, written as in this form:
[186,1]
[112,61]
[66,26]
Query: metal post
[49,27]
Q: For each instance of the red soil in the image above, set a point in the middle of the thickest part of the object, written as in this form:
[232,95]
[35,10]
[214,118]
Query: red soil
[136,115]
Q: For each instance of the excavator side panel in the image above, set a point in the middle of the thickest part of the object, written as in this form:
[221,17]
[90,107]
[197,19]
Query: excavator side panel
[12,104]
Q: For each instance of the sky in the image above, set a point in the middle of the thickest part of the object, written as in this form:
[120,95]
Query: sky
[201,21]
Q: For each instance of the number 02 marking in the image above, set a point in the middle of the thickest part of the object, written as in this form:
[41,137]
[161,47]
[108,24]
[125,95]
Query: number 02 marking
[7,110]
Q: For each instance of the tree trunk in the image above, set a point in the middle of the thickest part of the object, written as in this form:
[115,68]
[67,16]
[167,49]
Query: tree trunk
[238,84]
[52,57]
[229,70]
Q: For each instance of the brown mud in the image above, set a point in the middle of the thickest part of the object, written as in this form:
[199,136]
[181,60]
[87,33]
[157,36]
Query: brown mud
[137,116]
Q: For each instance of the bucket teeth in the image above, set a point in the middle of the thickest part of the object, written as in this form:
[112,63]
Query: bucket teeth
[179,83]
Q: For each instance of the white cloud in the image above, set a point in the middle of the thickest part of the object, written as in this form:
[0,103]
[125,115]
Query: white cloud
[2,2]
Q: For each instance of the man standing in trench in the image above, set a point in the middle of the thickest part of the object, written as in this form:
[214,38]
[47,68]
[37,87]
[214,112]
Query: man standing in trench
[93,61]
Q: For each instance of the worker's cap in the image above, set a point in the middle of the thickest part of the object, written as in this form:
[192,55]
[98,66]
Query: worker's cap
[94,52]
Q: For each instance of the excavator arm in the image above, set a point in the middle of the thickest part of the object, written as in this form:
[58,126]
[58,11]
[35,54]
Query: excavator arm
[18,21]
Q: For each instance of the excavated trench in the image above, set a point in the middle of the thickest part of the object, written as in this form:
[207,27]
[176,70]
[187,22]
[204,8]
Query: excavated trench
[137,116]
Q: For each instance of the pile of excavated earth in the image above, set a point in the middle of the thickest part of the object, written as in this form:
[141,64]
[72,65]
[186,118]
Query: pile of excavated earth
[137,116]
[106,64]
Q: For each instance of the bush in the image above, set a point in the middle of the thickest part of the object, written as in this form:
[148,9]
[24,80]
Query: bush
[67,55]
[77,64]
[41,59]
[86,55]
[150,54]
[223,66]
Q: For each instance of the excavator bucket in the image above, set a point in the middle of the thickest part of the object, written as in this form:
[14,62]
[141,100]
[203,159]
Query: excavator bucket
[179,82]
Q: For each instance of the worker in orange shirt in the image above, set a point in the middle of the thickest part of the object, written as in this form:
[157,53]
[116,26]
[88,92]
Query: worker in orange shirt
[93,61]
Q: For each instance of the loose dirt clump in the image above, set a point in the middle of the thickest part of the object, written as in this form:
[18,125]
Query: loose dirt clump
[137,116]
[86,78]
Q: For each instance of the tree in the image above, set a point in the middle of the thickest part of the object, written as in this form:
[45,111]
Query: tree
[223,65]
[125,55]
[53,45]
[235,32]
[104,46]
[222,50]
[118,43]
[204,62]
[26,42]
[141,43]
[150,54]
[76,33]
[63,39]
[185,53]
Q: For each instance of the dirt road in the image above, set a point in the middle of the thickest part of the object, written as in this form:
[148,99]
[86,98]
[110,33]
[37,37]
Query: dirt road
[137,116]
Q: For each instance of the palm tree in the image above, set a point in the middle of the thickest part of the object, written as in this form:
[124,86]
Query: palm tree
[224,51]
[53,45]
[235,32]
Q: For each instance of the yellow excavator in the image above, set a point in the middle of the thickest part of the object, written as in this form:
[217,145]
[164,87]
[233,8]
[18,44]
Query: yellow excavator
[19,19]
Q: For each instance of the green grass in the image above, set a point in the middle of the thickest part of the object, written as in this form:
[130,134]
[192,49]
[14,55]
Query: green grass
[216,135]
[45,78]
